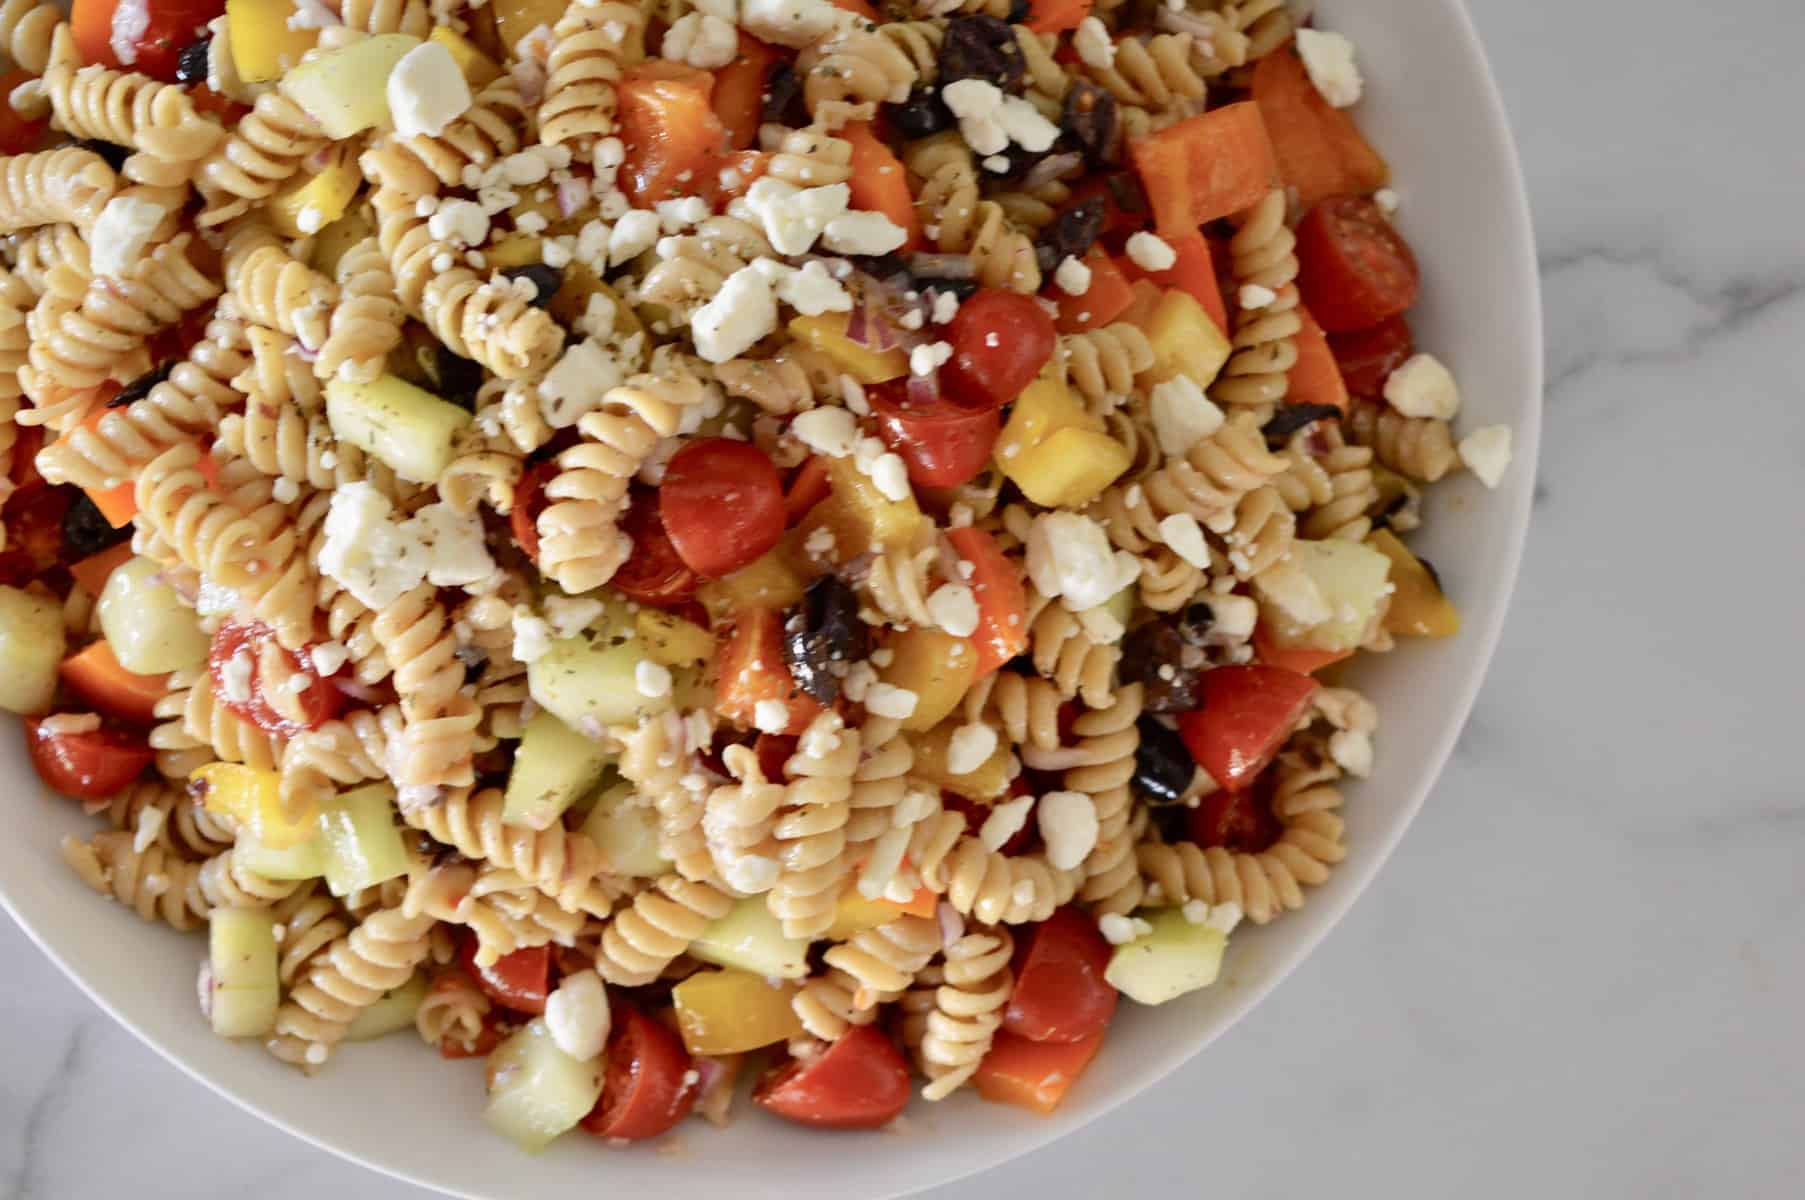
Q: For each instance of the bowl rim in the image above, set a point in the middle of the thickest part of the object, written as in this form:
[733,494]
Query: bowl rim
[1492,116]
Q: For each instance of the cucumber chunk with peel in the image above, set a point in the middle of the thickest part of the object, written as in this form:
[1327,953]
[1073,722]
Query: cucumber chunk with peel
[554,765]
[31,646]
[627,832]
[395,1011]
[1175,958]
[362,846]
[242,985]
[750,938]
[149,627]
[407,427]
[588,683]
[536,1091]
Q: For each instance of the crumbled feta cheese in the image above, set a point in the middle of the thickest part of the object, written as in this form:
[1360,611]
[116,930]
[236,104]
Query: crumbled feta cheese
[770,716]
[682,213]
[633,234]
[1184,536]
[121,233]
[1119,930]
[457,554]
[1024,125]
[150,825]
[946,306]
[887,700]
[1224,916]
[462,222]
[1254,296]
[792,23]
[1069,556]
[1150,252]
[215,600]
[954,608]
[1235,617]
[1329,61]
[996,164]
[860,678]
[427,91]
[1092,42]
[809,289]
[890,475]
[978,105]
[741,313]
[1487,452]
[571,615]
[970,747]
[1196,912]
[577,383]
[328,657]
[1423,387]
[366,551]
[793,217]
[576,1015]
[235,677]
[532,635]
[651,679]
[558,251]
[829,431]
[750,874]
[1073,277]
[1387,200]
[310,219]
[928,358]
[1352,751]
[1182,414]
[701,40]
[285,490]
[859,232]
[1068,824]
[1004,822]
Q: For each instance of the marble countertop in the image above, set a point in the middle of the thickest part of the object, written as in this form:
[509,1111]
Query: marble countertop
[1581,974]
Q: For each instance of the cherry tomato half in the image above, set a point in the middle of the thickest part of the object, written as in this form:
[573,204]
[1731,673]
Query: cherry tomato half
[88,766]
[722,504]
[1367,357]
[643,1093]
[1244,715]
[520,981]
[33,517]
[1240,821]
[859,1082]
[283,715]
[529,502]
[1000,342]
[153,34]
[1354,270]
[17,134]
[943,444]
[654,573]
[1060,994]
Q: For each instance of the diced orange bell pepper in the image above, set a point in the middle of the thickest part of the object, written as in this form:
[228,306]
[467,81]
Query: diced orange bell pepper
[1302,659]
[1056,16]
[752,669]
[94,674]
[879,183]
[1108,296]
[1319,149]
[996,582]
[809,488]
[736,173]
[739,91]
[1205,167]
[117,504]
[92,571]
[1033,1075]
[1316,377]
[1194,272]
[672,135]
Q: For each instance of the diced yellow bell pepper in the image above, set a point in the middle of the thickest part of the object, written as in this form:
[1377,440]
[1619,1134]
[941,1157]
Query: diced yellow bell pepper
[827,333]
[860,517]
[1045,406]
[1070,468]
[333,241]
[730,1012]
[768,581]
[989,781]
[479,69]
[253,798]
[314,199]
[513,250]
[934,665]
[858,913]
[1418,607]
[671,640]
[514,19]
[1185,339]
[262,43]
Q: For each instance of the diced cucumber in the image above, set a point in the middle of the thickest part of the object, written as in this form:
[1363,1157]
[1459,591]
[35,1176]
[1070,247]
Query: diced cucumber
[31,646]
[627,832]
[304,860]
[1175,958]
[362,846]
[536,1091]
[406,427]
[589,684]
[553,766]
[146,622]
[346,90]
[1351,578]
[750,938]
[244,988]
[393,1012]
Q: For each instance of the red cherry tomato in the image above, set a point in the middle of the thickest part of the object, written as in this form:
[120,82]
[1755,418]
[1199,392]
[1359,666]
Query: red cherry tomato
[654,573]
[529,502]
[1060,994]
[1353,269]
[18,135]
[520,981]
[479,1046]
[859,1082]
[1367,357]
[808,487]
[26,444]
[943,444]
[1000,342]
[1244,715]
[722,504]
[643,1093]
[33,517]
[1240,821]
[773,751]
[284,715]
[154,34]
[88,766]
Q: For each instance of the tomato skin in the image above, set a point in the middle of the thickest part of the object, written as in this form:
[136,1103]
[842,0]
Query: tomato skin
[943,444]
[1354,270]
[722,505]
[519,981]
[1244,715]
[1000,342]
[996,582]
[859,1082]
[643,1093]
[173,26]
[808,487]
[33,517]
[315,704]
[1367,357]
[87,766]
[1238,821]
[17,134]
[655,573]
[751,668]
[1060,994]
[529,502]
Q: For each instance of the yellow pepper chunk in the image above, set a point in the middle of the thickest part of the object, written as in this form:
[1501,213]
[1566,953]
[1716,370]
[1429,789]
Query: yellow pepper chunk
[512,250]
[1418,607]
[314,199]
[514,19]
[253,798]
[827,333]
[1070,468]
[768,581]
[1046,405]
[860,517]
[671,640]
[730,1012]
[934,665]
[479,69]
[858,913]
[337,238]
[263,45]
[1185,339]
[987,782]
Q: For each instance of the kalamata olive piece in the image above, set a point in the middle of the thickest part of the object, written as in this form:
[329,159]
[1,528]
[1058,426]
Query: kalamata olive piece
[191,64]
[923,114]
[140,387]
[1162,765]
[114,154]
[980,47]
[85,531]
[782,89]
[1195,623]
[822,635]
[1018,11]
[1089,119]
[545,280]
[1292,417]
[1069,234]
[1159,658]
[455,379]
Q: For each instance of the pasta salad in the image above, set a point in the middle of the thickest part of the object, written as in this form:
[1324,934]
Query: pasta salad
[665,542]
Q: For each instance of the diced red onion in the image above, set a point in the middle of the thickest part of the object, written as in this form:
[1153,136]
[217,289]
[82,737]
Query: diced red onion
[708,1073]
[923,390]
[529,77]
[572,195]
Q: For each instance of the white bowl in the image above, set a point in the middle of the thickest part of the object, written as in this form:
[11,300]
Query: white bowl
[394,1106]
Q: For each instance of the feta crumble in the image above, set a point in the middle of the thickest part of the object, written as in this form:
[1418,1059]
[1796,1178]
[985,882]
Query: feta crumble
[1329,61]
[1487,453]
[427,91]
[887,700]
[1073,277]
[1068,824]
[1005,820]
[954,608]
[1182,415]
[1423,387]
[970,747]
[1150,252]
[577,1016]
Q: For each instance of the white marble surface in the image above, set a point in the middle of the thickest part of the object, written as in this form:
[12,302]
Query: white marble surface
[1582,974]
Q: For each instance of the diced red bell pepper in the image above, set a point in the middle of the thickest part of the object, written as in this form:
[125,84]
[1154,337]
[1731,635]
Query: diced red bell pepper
[996,583]
[739,91]
[1205,167]
[94,674]
[1319,149]
[879,183]
[1315,378]
[1109,295]
[752,669]
[1194,272]
[1244,715]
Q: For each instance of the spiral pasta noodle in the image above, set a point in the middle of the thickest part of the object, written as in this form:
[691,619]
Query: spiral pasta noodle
[1208,483]
[1102,364]
[996,888]
[156,813]
[788,381]
[1101,763]
[959,222]
[157,119]
[1152,74]
[27,31]
[1025,707]
[566,866]
[404,170]
[195,719]
[658,759]
[591,43]
[366,323]
[1333,490]
[267,147]
[159,885]
[439,732]
[862,66]
[866,971]
[454,1012]
[68,185]
[738,821]
[641,940]
[811,157]
[692,268]
[951,1026]
[810,832]
[1265,339]
[275,289]
[1419,448]
[1067,655]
